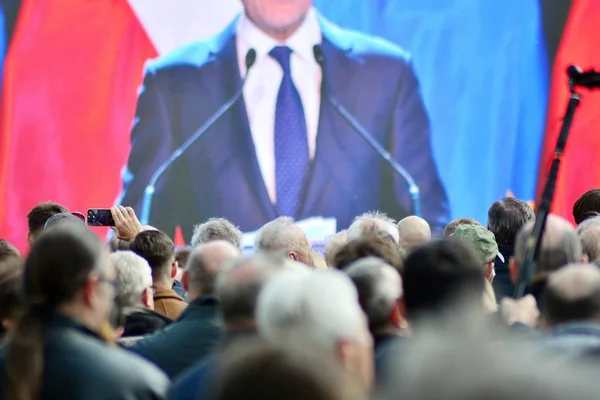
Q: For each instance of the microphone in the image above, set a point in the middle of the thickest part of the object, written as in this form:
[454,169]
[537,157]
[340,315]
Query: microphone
[413,189]
[150,189]
[589,79]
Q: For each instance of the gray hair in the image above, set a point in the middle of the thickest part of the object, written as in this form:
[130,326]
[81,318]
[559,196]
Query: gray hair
[379,287]
[280,236]
[310,309]
[216,229]
[134,275]
[589,234]
[560,245]
[373,222]
[240,282]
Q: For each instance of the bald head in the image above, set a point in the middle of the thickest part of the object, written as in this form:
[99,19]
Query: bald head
[573,294]
[413,231]
[560,245]
[204,265]
[238,285]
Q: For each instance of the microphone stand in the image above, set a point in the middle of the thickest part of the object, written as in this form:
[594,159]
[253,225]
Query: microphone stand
[534,243]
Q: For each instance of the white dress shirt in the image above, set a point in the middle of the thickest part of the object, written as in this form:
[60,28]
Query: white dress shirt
[262,87]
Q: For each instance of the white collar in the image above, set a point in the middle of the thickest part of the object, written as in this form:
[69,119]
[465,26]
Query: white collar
[301,41]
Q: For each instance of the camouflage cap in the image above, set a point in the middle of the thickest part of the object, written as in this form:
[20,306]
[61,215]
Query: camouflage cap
[480,239]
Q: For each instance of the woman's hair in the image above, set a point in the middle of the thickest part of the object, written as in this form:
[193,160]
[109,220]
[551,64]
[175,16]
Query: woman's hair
[56,268]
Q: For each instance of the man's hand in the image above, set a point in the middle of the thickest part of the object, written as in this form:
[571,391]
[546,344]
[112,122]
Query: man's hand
[523,310]
[127,226]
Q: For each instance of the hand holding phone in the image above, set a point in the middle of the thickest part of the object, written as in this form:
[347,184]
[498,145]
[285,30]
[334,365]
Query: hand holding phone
[127,225]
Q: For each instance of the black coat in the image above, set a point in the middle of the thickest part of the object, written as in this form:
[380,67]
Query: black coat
[79,365]
[141,321]
[192,337]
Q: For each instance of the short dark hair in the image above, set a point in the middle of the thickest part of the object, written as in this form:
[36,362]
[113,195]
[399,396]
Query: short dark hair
[384,247]
[587,206]
[11,297]
[37,217]
[8,251]
[451,227]
[506,217]
[439,272]
[157,248]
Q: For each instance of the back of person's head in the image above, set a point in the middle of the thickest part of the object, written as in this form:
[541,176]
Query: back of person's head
[11,300]
[8,251]
[134,280]
[371,223]
[379,288]
[587,206]
[448,365]
[413,232]
[572,294]
[439,273]
[282,236]
[506,217]
[560,246]
[258,370]
[334,244]
[383,247]
[238,286]
[589,235]
[451,227]
[317,310]
[204,265]
[37,217]
[158,250]
[67,269]
[217,229]
[10,259]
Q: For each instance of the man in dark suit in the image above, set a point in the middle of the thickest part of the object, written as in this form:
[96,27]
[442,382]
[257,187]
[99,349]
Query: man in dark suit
[282,149]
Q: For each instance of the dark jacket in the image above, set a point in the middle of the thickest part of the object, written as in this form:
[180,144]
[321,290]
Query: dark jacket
[576,339]
[192,337]
[79,365]
[502,284]
[207,73]
[386,349]
[194,384]
[141,321]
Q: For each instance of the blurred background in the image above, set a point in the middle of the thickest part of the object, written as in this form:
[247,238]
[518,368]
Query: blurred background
[492,77]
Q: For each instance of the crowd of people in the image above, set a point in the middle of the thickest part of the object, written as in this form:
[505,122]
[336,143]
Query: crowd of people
[387,312]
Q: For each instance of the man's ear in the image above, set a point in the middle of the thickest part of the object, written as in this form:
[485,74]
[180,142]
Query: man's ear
[148,299]
[30,238]
[174,267]
[491,273]
[514,270]
[292,255]
[185,280]
[401,305]
[396,316]
[89,290]
[585,258]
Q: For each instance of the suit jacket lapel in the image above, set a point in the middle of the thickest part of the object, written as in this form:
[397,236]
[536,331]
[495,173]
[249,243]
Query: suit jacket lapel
[340,69]
[222,84]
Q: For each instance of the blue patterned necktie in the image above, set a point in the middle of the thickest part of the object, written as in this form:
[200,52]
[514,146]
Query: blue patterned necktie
[291,141]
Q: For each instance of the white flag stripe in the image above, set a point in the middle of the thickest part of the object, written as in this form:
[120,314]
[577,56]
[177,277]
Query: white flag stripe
[173,23]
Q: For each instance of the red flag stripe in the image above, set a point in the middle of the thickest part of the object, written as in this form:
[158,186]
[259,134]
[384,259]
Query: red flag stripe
[68,102]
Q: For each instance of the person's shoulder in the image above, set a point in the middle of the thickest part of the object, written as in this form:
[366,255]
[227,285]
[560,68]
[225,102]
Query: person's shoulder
[364,45]
[195,54]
